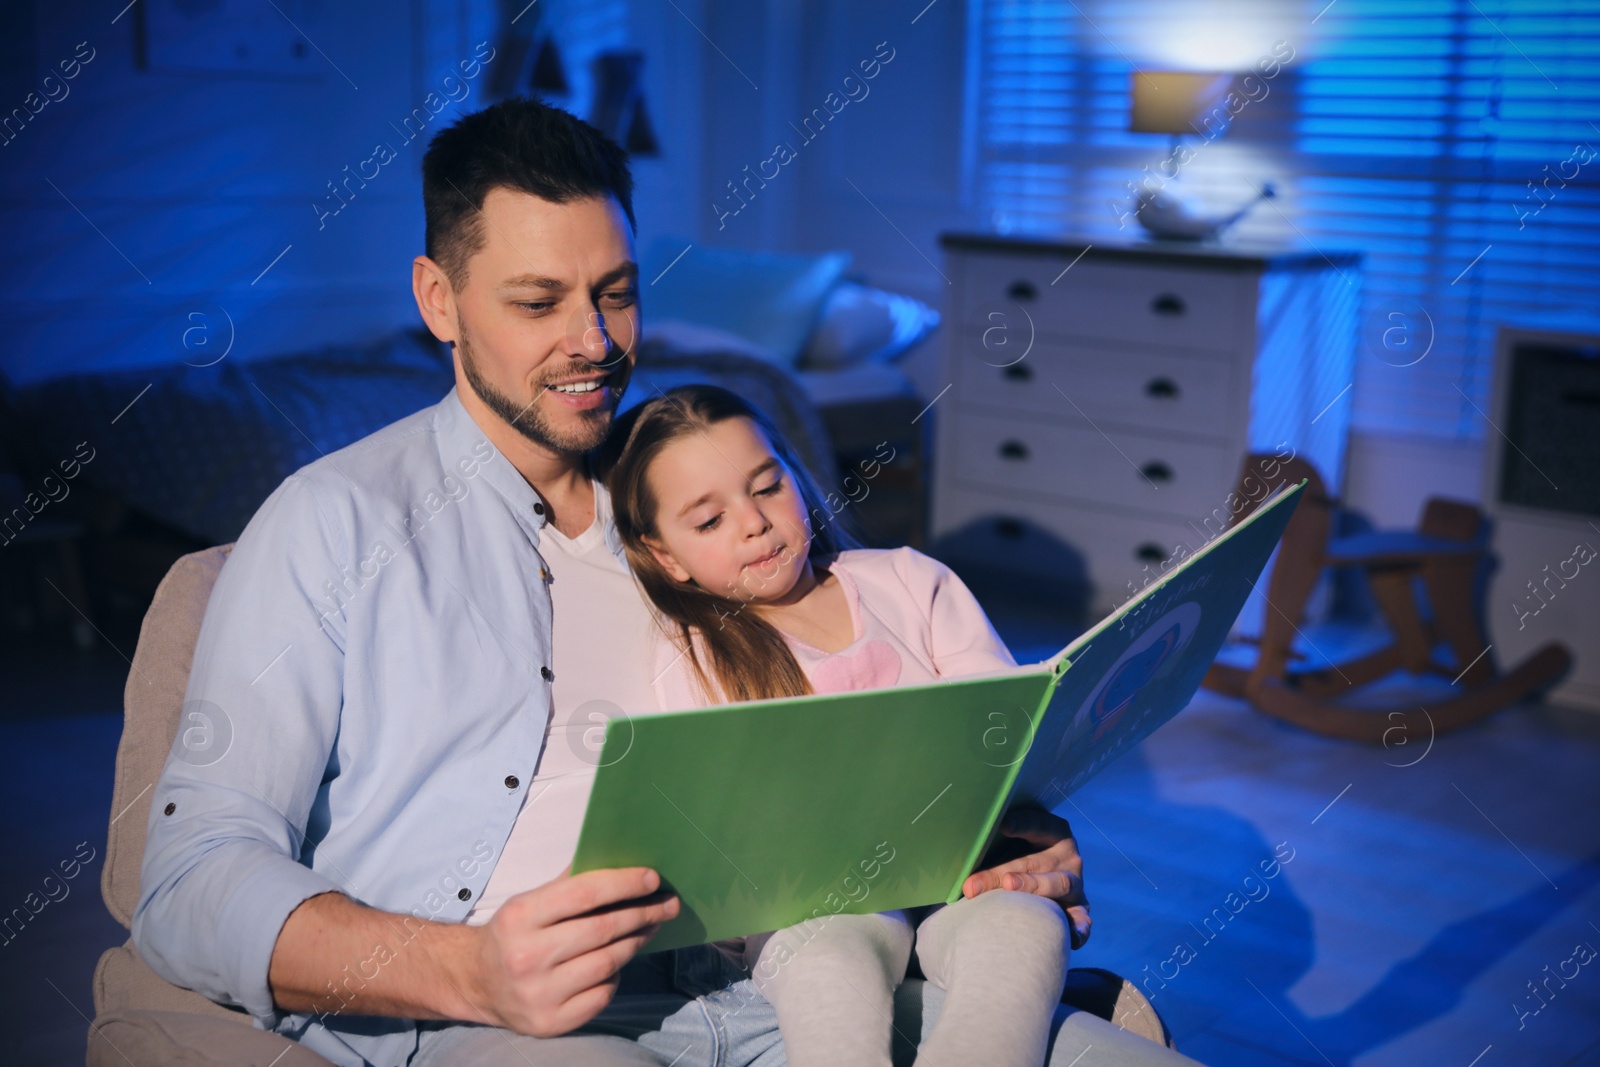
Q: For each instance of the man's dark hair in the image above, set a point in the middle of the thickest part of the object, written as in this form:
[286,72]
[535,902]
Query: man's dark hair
[517,144]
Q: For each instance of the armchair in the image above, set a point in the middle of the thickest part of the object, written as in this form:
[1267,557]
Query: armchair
[142,1018]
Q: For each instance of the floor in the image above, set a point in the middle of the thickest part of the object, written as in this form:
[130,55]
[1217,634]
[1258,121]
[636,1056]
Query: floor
[1417,893]
[1422,889]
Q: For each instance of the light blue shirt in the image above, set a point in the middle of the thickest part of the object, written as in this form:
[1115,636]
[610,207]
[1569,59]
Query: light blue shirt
[373,674]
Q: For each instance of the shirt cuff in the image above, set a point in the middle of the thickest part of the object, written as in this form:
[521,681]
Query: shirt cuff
[270,888]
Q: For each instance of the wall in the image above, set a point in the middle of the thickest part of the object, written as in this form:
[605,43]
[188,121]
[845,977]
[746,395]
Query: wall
[143,196]
[665,187]
[882,176]
[1390,478]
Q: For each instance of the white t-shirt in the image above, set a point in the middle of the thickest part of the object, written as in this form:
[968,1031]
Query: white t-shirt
[601,638]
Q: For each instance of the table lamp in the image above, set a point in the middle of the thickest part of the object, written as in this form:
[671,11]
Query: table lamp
[1182,103]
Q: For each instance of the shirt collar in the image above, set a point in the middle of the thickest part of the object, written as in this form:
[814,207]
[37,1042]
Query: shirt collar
[462,438]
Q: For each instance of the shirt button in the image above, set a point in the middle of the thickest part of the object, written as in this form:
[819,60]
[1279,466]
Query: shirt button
[511,781]
[546,674]
[169,809]
[538,509]
[465,894]
[544,575]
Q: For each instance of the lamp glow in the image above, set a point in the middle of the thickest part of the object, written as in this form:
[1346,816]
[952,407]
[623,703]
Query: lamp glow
[1177,102]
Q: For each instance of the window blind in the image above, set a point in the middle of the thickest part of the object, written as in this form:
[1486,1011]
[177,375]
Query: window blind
[1454,142]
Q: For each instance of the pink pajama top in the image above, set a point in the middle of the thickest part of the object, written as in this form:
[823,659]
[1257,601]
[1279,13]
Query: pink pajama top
[914,621]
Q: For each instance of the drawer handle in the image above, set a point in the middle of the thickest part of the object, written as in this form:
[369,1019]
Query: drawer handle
[1013,450]
[1010,529]
[1168,304]
[1021,290]
[1150,552]
[1161,388]
[1019,372]
[1157,471]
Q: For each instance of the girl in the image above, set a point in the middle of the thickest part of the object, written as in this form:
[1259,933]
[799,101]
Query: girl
[716,516]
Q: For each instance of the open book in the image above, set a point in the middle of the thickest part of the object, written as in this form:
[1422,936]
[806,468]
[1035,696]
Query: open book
[762,815]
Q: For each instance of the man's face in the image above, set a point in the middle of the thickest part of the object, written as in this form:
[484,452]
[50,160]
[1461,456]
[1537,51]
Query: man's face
[548,321]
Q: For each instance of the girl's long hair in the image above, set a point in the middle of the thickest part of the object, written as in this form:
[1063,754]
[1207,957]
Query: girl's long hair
[747,656]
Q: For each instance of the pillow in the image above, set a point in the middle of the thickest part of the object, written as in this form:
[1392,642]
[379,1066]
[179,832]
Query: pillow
[684,336]
[861,324]
[770,299]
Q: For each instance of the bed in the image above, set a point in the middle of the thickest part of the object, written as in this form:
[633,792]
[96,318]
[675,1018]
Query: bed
[199,448]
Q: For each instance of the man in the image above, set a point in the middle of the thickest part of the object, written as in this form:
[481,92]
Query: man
[398,643]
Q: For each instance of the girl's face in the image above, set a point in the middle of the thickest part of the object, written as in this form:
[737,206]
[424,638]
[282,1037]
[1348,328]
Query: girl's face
[729,514]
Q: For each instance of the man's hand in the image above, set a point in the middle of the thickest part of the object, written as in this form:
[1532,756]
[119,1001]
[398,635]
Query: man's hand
[1037,854]
[548,961]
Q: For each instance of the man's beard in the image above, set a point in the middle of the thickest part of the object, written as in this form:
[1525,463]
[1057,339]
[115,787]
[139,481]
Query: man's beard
[529,420]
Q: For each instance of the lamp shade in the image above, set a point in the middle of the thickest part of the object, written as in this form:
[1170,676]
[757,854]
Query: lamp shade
[1178,102]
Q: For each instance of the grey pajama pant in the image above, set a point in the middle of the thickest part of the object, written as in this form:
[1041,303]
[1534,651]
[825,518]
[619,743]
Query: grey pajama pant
[1000,959]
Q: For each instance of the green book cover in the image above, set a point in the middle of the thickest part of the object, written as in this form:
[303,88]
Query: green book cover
[761,815]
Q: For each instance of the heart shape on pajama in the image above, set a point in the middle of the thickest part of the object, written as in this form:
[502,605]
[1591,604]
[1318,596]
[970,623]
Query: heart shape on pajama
[874,665]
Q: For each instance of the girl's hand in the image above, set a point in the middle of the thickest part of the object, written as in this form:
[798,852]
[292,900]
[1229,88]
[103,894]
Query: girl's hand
[1051,867]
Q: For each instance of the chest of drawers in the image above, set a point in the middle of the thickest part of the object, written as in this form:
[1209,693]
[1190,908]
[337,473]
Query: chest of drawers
[1101,399]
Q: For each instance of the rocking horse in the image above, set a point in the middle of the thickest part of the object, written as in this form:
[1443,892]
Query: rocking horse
[1444,557]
